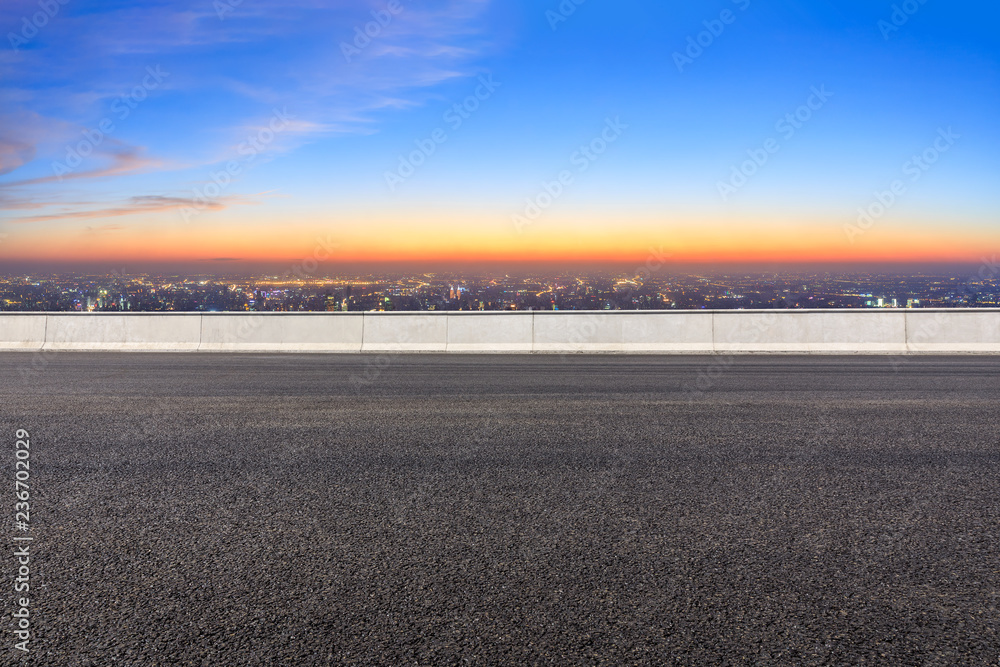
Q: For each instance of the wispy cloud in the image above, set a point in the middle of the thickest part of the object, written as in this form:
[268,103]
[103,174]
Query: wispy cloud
[140,205]
[14,154]
[121,160]
[21,133]
[75,73]
[8,203]
[27,135]
[419,48]
[103,229]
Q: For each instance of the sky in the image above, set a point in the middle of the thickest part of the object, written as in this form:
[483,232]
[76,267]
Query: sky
[224,132]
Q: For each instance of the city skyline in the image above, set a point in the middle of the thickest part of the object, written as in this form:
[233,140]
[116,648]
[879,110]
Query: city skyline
[428,134]
[301,288]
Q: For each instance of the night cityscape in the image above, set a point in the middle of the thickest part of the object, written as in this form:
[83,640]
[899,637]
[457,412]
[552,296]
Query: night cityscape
[118,292]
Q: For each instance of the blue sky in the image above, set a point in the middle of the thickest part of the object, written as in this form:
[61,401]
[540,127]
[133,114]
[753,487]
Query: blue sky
[227,73]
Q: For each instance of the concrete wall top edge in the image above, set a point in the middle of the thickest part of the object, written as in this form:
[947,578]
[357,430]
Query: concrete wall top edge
[172,313]
[555,313]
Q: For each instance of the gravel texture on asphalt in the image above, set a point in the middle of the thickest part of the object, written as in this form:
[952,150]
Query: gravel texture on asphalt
[237,509]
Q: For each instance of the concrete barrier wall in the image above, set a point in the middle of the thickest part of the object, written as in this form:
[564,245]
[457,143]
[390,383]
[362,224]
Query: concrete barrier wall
[653,331]
[491,332]
[72,332]
[870,331]
[724,332]
[291,332]
[953,331]
[22,332]
[161,332]
[397,332]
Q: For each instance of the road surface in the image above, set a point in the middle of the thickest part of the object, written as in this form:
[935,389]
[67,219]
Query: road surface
[211,509]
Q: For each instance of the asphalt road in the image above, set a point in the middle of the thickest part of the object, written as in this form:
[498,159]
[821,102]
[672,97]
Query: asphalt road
[312,509]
